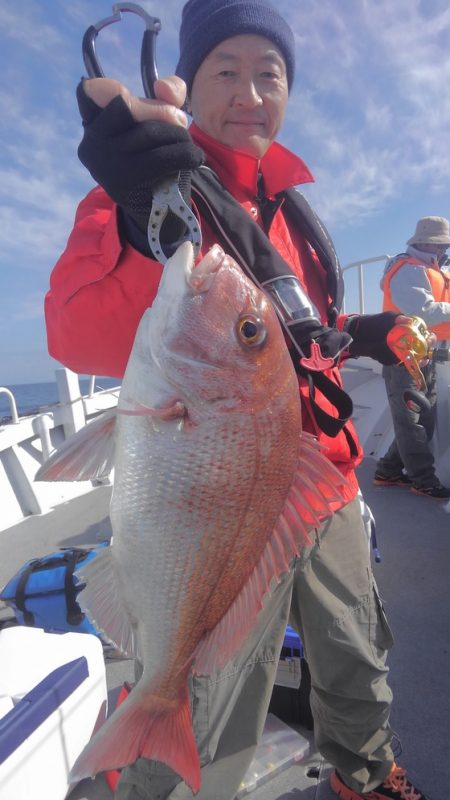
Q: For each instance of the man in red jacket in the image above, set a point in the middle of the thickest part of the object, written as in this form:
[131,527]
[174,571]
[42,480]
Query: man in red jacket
[237,60]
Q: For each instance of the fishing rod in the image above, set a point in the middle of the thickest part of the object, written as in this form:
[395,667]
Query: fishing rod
[409,342]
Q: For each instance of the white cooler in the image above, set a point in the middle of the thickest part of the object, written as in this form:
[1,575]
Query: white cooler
[53,695]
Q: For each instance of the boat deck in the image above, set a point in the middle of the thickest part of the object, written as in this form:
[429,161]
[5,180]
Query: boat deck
[414,580]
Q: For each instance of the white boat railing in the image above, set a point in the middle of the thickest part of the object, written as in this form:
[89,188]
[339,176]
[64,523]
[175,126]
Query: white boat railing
[358,267]
[27,441]
[91,389]
[12,404]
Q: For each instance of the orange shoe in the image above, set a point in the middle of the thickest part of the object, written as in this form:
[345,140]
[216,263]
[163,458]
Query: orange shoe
[437,492]
[401,479]
[395,787]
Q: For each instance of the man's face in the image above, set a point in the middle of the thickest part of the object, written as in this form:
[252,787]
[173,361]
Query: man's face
[240,92]
[437,250]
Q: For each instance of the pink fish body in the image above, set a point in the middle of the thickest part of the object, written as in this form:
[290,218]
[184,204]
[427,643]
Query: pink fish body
[214,493]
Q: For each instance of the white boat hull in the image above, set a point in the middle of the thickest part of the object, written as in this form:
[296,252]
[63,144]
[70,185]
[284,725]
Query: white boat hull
[43,730]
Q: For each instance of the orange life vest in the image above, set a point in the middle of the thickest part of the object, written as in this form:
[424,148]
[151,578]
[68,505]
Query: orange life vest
[440,289]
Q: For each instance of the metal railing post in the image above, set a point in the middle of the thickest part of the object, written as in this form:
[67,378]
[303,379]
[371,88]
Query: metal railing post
[358,265]
[12,404]
[70,398]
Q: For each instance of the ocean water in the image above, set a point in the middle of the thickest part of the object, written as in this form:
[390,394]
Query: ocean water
[30,397]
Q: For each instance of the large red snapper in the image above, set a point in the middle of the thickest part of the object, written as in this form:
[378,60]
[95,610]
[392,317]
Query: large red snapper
[214,492]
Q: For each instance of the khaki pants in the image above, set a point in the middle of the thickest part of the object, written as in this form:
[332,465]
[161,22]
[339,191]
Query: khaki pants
[331,599]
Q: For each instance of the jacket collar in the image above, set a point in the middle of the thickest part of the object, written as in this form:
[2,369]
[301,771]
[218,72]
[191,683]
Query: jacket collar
[426,258]
[279,167]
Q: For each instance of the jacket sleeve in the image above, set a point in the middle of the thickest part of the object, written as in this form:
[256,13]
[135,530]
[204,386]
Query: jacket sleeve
[412,292]
[99,289]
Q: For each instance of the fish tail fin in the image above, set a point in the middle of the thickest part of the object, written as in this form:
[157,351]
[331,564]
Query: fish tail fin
[144,727]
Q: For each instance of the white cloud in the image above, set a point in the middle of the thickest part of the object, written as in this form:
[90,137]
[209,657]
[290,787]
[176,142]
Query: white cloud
[41,180]
[370,113]
[368,109]
[370,102]
[34,241]
[25,27]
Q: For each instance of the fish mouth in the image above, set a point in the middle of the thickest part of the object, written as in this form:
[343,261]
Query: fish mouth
[199,277]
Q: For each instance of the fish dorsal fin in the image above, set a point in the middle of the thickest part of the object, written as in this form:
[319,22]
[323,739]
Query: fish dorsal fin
[86,455]
[306,506]
[102,603]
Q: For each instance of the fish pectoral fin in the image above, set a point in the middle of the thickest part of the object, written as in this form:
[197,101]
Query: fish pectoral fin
[101,600]
[86,455]
[305,508]
[175,410]
[141,727]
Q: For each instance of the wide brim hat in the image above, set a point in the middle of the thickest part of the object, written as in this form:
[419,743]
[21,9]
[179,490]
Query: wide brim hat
[431,230]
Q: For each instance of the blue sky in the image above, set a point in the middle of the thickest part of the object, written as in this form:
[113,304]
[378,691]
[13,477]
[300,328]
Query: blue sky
[369,113]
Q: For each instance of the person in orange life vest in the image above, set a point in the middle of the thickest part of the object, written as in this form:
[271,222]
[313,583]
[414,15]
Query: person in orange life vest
[237,61]
[415,283]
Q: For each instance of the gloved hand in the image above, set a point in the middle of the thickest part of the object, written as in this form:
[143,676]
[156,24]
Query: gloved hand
[303,322]
[369,332]
[314,363]
[127,158]
[331,341]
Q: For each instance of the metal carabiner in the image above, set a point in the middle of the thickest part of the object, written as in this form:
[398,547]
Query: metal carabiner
[167,197]
[149,72]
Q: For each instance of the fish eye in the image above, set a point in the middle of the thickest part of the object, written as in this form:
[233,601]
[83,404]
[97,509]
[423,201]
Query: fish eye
[251,330]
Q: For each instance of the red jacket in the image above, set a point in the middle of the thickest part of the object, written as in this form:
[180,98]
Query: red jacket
[100,286]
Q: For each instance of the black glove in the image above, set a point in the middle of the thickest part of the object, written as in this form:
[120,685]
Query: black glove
[369,333]
[331,340]
[127,158]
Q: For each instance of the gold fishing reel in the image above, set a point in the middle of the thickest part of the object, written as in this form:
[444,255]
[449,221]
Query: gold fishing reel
[409,342]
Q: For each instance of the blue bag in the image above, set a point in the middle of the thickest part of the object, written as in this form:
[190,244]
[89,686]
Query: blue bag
[43,593]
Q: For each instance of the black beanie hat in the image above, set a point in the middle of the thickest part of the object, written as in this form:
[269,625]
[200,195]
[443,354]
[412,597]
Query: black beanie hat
[206,23]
